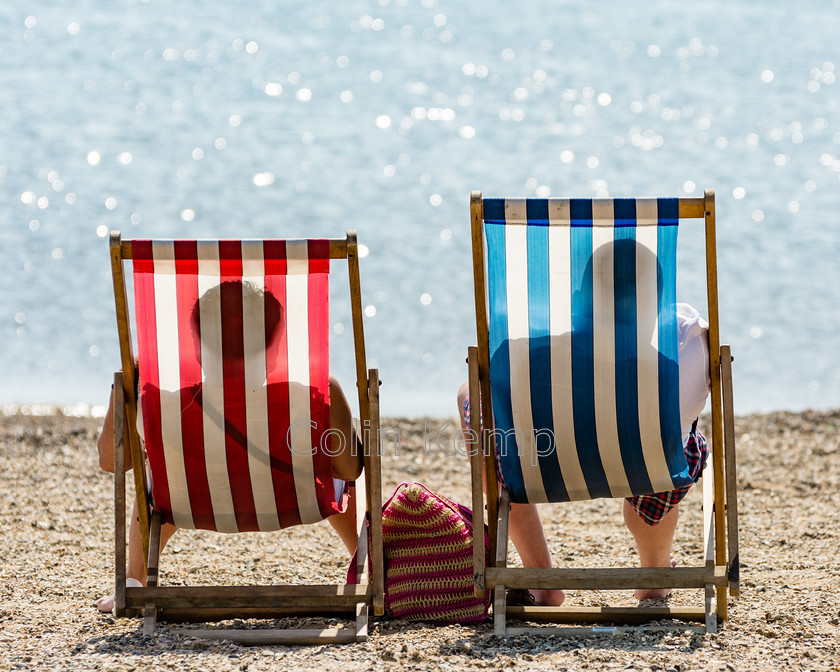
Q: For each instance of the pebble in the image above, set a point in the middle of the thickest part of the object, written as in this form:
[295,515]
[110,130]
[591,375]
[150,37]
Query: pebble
[56,513]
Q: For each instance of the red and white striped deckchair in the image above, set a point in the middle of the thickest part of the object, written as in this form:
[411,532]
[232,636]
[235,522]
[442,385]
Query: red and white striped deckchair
[228,423]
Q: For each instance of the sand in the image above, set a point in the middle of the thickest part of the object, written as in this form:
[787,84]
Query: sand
[56,516]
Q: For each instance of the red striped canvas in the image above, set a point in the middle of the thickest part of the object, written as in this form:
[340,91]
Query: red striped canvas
[233,357]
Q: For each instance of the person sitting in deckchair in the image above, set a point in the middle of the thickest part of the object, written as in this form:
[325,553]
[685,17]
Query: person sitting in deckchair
[346,454]
[651,519]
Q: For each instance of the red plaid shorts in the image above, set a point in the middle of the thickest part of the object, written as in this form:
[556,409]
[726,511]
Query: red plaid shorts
[651,508]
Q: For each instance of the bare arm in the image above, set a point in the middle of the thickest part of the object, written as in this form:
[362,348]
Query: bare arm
[105,444]
[347,465]
[106,439]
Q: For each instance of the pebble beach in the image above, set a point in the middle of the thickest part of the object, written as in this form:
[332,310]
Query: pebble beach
[56,513]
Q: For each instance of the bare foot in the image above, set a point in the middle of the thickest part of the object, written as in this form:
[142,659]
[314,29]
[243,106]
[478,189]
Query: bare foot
[654,593]
[106,604]
[549,598]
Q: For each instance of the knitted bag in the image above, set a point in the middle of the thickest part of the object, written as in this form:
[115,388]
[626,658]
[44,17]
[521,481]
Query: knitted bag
[429,558]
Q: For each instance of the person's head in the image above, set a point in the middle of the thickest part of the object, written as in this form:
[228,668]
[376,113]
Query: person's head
[237,306]
[619,268]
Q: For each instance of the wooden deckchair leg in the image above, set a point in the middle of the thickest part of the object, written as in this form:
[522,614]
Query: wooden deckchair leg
[150,611]
[362,548]
[476,480]
[711,608]
[503,527]
[729,468]
[130,397]
[499,611]
[709,544]
[488,448]
[500,593]
[362,555]
[484,425]
[708,513]
[713,594]
[716,405]
[374,496]
[119,496]
[361,622]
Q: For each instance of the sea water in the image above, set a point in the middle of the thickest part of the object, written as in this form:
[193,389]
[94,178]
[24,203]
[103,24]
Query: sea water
[291,119]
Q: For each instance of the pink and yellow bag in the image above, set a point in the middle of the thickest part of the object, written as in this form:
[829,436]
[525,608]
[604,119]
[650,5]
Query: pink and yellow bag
[428,558]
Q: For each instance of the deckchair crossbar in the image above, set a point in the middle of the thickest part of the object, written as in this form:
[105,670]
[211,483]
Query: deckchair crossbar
[337,246]
[211,614]
[224,597]
[625,615]
[276,637]
[609,578]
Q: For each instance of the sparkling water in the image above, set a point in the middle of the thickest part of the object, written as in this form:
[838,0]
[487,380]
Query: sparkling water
[281,119]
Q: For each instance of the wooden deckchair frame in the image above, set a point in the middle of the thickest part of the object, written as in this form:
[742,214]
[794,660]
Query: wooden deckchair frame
[719,570]
[209,603]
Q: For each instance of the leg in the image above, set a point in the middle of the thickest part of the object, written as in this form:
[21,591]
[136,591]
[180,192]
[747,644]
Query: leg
[526,531]
[347,464]
[528,537]
[654,543]
[345,524]
[136,566]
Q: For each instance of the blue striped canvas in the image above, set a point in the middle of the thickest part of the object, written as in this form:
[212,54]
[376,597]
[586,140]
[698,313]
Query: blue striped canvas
[584,364]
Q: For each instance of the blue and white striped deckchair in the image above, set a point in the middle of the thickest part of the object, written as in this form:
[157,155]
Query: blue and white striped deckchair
[577,372]
[583,346]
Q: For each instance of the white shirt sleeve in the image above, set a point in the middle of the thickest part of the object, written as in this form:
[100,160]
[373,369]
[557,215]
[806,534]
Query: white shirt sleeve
[695,383]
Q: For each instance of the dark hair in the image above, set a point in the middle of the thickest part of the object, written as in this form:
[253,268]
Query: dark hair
[244,294]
